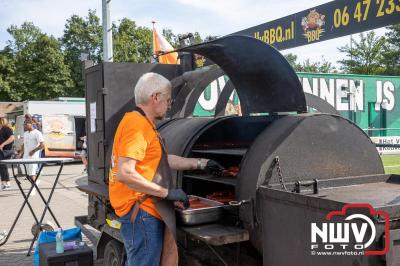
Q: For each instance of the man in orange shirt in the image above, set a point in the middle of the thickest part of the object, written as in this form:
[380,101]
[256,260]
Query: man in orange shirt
[140,182]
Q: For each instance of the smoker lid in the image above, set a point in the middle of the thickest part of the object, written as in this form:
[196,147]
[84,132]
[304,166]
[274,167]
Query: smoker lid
[264,80]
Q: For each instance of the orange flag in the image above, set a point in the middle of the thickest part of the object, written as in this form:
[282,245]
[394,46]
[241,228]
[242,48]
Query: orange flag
[161,45]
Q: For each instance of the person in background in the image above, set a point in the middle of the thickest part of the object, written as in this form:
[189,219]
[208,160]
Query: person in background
[33,144]
[36,124]
[84,154]
[6,151]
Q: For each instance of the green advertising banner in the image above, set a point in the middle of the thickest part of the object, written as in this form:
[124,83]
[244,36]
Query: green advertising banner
[372,102]
[331,20]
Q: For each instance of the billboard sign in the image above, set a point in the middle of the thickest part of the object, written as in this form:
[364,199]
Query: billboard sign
[331,20]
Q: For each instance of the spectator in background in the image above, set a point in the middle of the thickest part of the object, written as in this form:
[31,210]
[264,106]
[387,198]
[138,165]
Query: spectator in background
[33,144]
[36,124]
[6,151]
[84,154]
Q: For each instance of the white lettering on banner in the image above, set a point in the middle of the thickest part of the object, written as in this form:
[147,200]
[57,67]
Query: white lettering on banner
[306,85]
[388,91]
[337,92]
[387,140]
[378,95]
[327,93]
[357,95]
[209,104]
[221,84]
[342,86]
[384,96]
[315,85]
[232,95]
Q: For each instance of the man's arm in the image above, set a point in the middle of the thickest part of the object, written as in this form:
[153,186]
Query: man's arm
[182,163]
[8,141]
[38,148]
[128,175]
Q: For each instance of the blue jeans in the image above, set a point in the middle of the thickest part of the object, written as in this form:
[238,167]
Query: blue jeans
[143,240]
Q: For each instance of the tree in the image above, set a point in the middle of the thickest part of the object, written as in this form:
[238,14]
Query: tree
[32,66]
[22,36]
[308,66]
[132,43]
[292,60]
[391,53]
[317,67]
[7,70]
[81,35]
[365,56]
[173,39]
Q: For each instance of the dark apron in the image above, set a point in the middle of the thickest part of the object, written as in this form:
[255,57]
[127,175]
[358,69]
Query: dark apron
[165,208]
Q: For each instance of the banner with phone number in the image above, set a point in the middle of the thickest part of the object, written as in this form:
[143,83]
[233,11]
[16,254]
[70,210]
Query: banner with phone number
[327,21]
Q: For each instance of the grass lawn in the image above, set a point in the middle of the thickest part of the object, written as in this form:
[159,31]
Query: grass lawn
[391,163]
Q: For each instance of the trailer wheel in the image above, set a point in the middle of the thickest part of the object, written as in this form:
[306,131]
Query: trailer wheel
[113,253]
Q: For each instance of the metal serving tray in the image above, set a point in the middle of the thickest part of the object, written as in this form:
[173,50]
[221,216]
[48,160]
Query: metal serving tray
[200,215]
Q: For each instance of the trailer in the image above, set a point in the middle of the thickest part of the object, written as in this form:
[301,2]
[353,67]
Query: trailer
[70,106]
[297,173]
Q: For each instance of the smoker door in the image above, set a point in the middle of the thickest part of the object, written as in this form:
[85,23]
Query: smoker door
[95,122]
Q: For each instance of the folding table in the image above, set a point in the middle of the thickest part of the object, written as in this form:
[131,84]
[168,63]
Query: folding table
[42,162]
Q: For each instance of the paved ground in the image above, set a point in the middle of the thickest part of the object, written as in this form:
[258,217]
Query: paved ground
[66,203]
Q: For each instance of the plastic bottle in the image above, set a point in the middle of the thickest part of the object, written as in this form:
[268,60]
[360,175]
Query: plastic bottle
[59,241]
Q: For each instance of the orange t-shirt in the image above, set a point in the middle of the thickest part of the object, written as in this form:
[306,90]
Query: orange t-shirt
[135,138]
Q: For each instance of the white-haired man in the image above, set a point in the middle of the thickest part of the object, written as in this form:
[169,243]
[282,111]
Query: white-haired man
[141,188]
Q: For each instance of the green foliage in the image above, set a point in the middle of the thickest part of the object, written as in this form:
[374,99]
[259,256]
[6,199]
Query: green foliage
[308,66]
[322,66]
[22,36]
[173,39]
[391,54]
[81,35]
[32,66]
[7,70]
[40,72]
[365,56]
[132,43]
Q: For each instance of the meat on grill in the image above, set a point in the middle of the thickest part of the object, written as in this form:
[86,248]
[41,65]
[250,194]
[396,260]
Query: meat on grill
[194,203]
[222,196]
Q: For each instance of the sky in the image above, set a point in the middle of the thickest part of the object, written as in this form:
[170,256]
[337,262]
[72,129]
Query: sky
[208,17]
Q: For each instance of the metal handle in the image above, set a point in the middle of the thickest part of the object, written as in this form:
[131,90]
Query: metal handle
[299,184]
[238,203]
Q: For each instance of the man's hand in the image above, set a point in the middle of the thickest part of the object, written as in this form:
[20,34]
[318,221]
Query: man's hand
[178,195]
[214,167]
[32,152]
[1,147]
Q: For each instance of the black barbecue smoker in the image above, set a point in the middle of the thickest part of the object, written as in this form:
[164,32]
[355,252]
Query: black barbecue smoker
[298,181]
